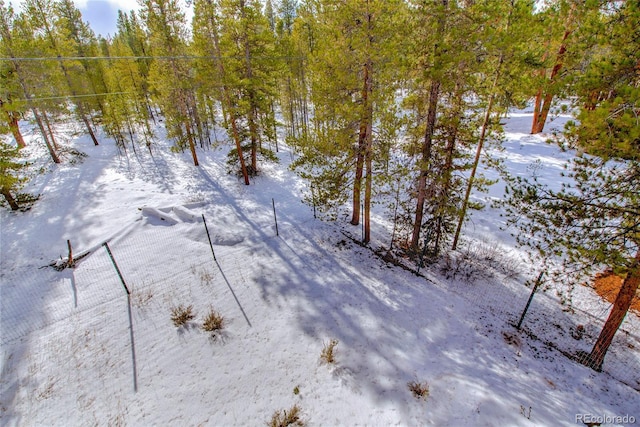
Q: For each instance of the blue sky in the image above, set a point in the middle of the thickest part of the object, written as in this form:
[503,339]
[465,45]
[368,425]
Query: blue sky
[101,14]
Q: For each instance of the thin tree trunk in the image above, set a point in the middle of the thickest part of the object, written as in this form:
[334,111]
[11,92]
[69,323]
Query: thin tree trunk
[447,172]
[368,154]
[434,94]
[9,198]
[15,129]
[476,160]
[541,113]
[536,109]
[362,146]
[369,174]
[12,120]
[227,98]
[52,151]
[621,306]
[192,145]
[53,139]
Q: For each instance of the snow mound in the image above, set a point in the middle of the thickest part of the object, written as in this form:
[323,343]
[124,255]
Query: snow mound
[158,217]
[227,238]
[171,215]
[185,214]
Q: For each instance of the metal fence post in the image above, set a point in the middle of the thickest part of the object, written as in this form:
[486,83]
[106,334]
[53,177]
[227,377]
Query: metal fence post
[209,237]
[533,292]
[274,215]
[124,285]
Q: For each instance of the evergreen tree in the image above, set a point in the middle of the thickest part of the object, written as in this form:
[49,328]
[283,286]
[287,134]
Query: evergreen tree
[88,77]
[126,112]
[11,109]
[247,46]
[130,29]
[212,73]
[593,220]
[293,81]
[353,86]
[507,61]
[560,59]
[170,75]
[44,20]
[34,79]
[9,179]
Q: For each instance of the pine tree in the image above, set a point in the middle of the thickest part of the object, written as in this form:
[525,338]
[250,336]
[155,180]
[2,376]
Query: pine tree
[126,112]
[11,109]
[212,71]
[170,76]
[18,39]
[592,221]
[82,43]
[293,82]
[353,82]
[43,18]
[507,64]
[9,168]
[247,46]
[130,29]
[560,59]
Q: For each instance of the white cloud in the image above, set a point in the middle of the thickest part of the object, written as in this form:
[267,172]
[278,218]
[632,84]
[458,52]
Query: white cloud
[84,4]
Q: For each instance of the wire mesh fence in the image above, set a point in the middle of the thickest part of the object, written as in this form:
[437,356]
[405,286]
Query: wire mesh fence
[157,269]
[566,317]
[149,263]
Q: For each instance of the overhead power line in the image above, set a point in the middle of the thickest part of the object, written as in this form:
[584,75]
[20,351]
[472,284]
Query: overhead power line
[99,58]
[49,98]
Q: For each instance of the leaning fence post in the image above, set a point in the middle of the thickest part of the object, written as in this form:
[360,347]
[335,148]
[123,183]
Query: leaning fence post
[209,237]
[274,215]
[533,291]
[422,254]
[124,285]
[362,221]
[313,200]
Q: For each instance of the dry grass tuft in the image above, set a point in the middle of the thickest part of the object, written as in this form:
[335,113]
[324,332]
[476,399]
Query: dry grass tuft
[328,352]
[180,315]
[213,322]
[287,418]
[419,390]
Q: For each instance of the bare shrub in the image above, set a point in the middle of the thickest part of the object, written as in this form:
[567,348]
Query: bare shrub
[328,351]
[206,277]
[141,298]
[479,259]
[419,390]
[285,418]
[213,322]
[180,315]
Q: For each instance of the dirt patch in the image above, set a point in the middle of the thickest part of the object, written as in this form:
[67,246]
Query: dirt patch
[607,284]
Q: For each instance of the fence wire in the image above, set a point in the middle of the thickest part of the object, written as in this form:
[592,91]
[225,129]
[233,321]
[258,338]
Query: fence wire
[156,270]
[566,318]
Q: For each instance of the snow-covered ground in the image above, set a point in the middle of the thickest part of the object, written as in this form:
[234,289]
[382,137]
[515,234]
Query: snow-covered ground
[77,351]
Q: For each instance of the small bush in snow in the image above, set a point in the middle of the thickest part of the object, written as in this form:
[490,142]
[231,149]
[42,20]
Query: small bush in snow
[287,418]
[180,315]
[206,278]
[419,390]
[213,322]
[328,352]
[140,299]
